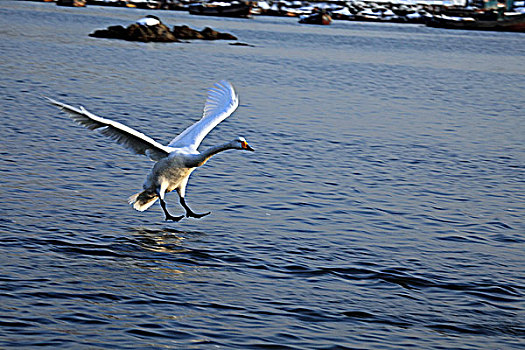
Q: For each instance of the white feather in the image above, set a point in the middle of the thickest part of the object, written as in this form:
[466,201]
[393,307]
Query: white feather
[122,134]
[222,101]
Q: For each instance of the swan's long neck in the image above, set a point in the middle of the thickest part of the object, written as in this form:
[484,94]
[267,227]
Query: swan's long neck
[210,152]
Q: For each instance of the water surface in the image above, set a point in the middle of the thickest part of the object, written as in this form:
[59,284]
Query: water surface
[382,208]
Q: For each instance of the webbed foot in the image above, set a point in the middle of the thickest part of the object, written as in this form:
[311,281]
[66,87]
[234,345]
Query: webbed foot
[167,214]
[191,214]
[174,218]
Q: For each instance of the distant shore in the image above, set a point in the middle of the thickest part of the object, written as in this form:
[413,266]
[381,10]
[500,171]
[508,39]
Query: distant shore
[339,10]
[510,17]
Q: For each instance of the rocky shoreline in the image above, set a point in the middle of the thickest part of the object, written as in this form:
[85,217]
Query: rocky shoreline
[476,16]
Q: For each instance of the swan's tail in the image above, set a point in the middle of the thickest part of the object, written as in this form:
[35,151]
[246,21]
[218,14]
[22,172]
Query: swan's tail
[142,200]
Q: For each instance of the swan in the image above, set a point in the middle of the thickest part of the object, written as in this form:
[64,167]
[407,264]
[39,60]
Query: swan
[176,161]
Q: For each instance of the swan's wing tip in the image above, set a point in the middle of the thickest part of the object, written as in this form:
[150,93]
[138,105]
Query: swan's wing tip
[222,98]
[52,101]
[131,139]
[224,85]
[221,102]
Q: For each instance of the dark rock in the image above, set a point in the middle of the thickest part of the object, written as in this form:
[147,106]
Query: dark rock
[242,44]
[137,32]
[186,33]
[163,33]
[210,34]
[156,33]
[159,33]
[113,32]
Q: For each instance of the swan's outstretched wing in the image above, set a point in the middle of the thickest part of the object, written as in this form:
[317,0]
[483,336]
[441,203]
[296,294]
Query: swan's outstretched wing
[126,136]
[222,101]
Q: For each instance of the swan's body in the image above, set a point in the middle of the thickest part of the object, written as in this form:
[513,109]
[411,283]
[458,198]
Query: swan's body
[175,162]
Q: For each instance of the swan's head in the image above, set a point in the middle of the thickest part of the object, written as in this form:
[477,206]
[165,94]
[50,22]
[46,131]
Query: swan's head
[240,143]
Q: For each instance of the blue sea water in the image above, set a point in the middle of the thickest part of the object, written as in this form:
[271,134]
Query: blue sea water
[383,207]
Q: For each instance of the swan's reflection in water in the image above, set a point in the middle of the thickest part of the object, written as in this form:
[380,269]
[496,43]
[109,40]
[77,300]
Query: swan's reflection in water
[164,240]
[169,251]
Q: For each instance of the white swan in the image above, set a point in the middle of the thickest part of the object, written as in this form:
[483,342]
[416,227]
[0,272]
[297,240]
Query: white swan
[177,160]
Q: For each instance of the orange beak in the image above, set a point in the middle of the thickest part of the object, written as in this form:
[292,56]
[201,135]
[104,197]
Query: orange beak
[246,146]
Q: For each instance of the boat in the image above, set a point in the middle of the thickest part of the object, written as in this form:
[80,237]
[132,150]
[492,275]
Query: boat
[317,17]
[73,3]
[492,21]
[144,4]
[377,14]
[222,9]
[114,3]
[342,13]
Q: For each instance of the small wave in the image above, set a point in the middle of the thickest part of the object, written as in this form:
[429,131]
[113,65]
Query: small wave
[95,297]
[270,346]
[358,314]
[155,331]
[220,306]
[87,249]
[489,329]
[500,224]
[14,324]
[471,238]
[310,314]
[404,278]
[82,318]
[503,238]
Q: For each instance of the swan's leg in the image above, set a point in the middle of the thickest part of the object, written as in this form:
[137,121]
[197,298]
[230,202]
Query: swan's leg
[168,215]
[189,212]
[161,191]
